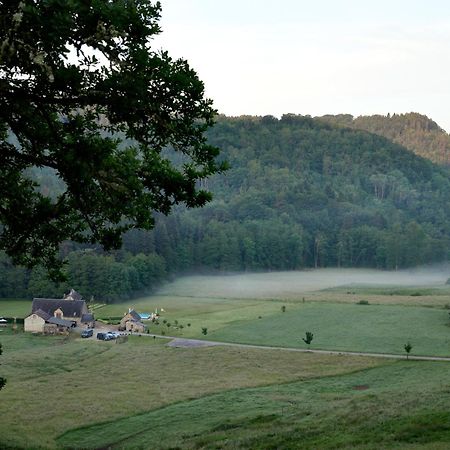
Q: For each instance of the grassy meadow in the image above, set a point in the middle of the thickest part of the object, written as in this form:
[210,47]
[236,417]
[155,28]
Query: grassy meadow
[392,406]
[56,384]
[145,394]
[377,318]
[10,307]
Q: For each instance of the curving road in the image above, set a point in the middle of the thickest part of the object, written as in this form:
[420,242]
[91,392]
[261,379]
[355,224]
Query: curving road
[186,342]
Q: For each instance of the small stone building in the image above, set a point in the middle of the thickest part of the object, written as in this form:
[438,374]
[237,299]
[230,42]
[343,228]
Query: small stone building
[41,322]
[35,322]
[132,322]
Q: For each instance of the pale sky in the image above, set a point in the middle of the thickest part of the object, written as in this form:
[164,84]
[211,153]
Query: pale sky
[316,57]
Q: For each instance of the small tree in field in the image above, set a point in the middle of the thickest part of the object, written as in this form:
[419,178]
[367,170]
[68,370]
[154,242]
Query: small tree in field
[308,338]
[283,308]
[204,331]
[408,348]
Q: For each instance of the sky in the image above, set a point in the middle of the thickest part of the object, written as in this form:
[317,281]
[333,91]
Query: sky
[316,57]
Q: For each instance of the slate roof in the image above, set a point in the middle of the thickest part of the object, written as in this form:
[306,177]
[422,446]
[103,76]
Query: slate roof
[73,295]
[70,308]
[87,318]
[60,322]
[135,315]
[42,314]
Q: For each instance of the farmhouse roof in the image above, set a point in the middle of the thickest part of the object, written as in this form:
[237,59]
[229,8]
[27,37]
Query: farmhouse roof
[135,321]
[73,295]
[134,315]
[60,322]
[42,314]
[87,318]
[70,308]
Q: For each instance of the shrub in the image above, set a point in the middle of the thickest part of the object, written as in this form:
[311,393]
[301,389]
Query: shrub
[308,337]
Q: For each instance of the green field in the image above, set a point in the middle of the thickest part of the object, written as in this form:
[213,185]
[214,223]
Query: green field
[144,394]
[14,307]
[398,405]
[56,384]
[347,326]
[394,315]
[365,328]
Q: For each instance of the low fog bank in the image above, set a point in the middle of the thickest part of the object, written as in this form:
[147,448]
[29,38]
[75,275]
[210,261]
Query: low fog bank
[291,284]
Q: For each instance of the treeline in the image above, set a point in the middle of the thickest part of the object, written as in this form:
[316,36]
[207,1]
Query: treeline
[414,131]
[301,192]
[98,277]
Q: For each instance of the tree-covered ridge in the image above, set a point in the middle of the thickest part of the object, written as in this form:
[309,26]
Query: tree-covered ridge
[300,193]
[304,193]
[414,131]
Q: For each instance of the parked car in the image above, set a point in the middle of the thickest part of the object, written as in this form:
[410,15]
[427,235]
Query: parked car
[113,334]
[104,336]
[87,333]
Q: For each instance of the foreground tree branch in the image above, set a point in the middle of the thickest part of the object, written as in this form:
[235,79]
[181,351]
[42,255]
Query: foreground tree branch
[83,93]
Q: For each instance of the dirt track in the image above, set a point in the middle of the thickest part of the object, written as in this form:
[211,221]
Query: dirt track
[182,342]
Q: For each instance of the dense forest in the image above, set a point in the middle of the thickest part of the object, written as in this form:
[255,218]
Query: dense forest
[414,131]
[300,192]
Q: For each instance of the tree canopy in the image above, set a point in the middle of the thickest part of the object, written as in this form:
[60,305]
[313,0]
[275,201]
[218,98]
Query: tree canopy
[84,95]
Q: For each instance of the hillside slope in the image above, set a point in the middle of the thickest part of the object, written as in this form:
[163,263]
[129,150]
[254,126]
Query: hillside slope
[304,193]
[414,131]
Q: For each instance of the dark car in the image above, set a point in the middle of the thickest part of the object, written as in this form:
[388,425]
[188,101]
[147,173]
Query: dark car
[104,336]
[87,333]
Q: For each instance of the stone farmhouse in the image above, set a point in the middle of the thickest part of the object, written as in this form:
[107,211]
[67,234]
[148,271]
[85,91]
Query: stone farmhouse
[50,315]
[132,322]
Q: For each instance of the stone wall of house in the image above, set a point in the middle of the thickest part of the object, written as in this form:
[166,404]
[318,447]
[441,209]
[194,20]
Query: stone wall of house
[34,323]
[51,328]
[135,327]
[124,320]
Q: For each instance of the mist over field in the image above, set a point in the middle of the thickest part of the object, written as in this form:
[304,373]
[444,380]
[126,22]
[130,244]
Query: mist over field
[292,284]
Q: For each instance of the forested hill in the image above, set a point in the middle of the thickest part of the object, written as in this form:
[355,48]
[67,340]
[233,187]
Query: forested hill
[303,193]
[415,131]
[300,193]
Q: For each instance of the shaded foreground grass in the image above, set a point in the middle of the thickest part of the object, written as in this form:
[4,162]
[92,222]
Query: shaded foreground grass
[398,405]
[56,384]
